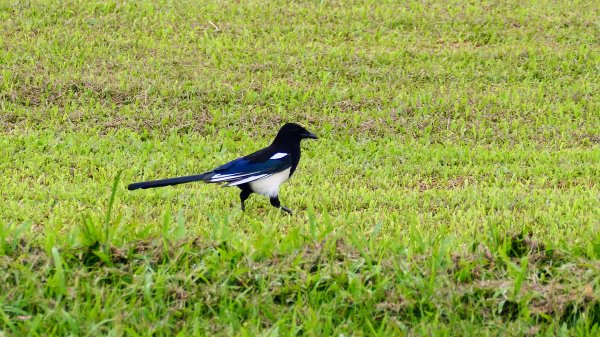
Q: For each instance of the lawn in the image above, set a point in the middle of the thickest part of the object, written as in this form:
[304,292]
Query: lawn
[454,190]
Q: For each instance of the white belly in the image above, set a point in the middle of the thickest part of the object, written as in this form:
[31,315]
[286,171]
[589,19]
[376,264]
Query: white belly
[269,186]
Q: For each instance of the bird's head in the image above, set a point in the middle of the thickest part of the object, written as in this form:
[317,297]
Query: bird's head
[292,132]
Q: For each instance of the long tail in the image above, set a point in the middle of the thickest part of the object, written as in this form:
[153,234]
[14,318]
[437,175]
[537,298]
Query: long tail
[167,182]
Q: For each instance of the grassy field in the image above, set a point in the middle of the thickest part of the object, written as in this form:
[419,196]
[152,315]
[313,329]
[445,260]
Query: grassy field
[454,190]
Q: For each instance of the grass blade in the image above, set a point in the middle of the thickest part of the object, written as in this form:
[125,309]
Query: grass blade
[111,202]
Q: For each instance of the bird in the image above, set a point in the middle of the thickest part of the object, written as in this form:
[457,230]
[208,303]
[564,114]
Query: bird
[261,172]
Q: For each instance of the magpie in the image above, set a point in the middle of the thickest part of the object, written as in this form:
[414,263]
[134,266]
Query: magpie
[260,172]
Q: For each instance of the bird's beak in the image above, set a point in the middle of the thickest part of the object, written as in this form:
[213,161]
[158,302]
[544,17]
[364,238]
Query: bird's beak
[310,135]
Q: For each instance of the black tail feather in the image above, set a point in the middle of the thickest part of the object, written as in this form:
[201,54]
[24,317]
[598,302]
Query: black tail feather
[167,182]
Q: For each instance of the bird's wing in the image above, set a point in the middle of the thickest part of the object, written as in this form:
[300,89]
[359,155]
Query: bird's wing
[247,169]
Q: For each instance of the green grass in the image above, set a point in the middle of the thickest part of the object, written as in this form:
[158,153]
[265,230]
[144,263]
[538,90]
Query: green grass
[454,190]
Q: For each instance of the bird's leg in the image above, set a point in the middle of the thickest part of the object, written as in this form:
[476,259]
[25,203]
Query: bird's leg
[244,194]
[275,202]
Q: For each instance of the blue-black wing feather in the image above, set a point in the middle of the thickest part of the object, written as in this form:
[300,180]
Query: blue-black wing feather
[249,168]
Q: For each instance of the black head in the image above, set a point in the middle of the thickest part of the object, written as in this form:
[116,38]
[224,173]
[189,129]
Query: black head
[292,132]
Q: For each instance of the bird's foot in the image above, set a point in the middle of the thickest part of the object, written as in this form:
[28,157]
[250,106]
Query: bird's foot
[276,203]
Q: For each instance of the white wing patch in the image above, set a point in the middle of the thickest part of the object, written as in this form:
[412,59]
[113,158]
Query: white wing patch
[278,155]
[226,177]
[243,181]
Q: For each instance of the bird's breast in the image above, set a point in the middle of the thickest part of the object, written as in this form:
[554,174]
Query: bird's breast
[269,186]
